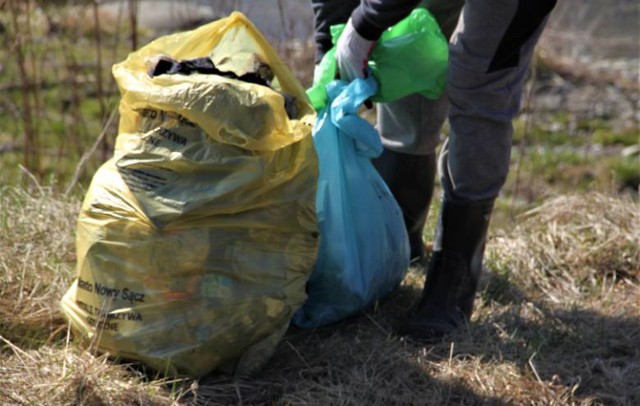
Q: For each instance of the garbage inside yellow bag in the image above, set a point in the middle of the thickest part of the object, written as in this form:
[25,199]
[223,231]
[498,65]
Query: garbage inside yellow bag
[194,242]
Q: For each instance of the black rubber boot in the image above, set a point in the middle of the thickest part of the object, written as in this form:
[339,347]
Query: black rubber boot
[410,178]
[453,272]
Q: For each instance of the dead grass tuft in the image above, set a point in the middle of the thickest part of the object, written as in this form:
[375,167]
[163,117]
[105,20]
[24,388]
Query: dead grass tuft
[571,245]
[557,322]
[37,232]
[561,300]
[54,376]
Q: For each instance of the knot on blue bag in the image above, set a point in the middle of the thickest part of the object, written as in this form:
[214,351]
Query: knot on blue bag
[346,99]
[364,248]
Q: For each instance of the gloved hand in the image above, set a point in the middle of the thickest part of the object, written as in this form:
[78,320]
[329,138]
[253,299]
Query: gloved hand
[352,53]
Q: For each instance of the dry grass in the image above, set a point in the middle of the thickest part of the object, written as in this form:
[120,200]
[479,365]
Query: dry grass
[36,263]
[557,322]
[573,246]
[61,376]
[557,318]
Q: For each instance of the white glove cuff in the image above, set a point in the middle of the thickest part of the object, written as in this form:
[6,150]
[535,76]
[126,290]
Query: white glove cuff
[353,53]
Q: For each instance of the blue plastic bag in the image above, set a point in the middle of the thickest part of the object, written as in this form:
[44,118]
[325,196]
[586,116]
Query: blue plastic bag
[364,248]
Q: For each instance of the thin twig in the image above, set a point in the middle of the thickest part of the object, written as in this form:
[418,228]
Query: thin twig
[530,105]
[533,367]
[133,20]
[33,178]
[298,354]
[30,160]
[88,154]
[98,72]
[17,351]
[23,278]
[66,350]
[375,323]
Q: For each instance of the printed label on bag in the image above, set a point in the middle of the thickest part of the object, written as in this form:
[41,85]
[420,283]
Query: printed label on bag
[101,317]
[153,118]
[159,135]
[109,292]
[139,180]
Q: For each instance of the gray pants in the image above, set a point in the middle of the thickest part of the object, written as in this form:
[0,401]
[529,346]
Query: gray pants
[491,44]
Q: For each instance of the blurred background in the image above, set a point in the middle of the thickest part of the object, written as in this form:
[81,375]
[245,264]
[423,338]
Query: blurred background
[58,101]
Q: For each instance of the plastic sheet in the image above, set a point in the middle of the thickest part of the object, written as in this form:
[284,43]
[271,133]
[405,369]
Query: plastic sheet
[195,241]
[410,57]
[364,248]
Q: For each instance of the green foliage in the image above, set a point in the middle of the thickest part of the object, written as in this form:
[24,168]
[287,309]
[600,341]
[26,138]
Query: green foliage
[56,84]
[625,137]
[559,166]
[627,173]
[573,155]
[529,131]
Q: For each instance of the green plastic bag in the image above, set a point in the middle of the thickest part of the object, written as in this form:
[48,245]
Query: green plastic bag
[410,57]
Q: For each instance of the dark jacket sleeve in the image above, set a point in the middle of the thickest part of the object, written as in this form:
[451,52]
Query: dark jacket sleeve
[372,17]
[327,13]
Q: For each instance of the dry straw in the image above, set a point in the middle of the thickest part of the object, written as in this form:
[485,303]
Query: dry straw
[571,244]
[557,322]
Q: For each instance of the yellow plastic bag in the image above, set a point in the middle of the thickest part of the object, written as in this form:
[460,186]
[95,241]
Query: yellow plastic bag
[195,241]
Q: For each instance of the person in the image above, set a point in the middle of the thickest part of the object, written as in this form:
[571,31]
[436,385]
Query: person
[491,44]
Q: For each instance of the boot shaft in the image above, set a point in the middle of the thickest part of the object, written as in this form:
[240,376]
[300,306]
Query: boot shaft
[410,179]
[454,270]
[462,230]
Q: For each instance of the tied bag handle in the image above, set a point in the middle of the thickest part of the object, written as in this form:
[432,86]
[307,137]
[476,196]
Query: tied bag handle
[346,99]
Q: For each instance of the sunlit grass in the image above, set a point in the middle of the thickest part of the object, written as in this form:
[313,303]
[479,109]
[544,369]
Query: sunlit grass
[557,319]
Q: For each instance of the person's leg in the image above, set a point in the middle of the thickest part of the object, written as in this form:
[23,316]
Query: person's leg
[490,54]
[410,132]
[410,179]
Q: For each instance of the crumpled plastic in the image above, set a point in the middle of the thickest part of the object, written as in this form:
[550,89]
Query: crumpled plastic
[195,240]
[364,247]
[410,57]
